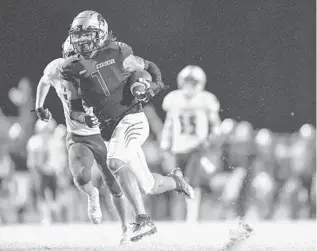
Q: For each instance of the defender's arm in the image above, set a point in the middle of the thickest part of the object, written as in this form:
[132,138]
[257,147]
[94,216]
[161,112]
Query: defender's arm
[214,118]
[41,93]
[215,121]
[77,111]
[42,90]
[166,135]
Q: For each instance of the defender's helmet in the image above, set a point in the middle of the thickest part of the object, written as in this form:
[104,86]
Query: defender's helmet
[68,49]
[192,79]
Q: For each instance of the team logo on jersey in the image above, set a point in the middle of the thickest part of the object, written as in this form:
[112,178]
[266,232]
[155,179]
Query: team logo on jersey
[105,63]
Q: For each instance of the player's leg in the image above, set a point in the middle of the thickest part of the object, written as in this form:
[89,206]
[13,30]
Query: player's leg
[81,160]
[118,163]
[151,183]
[99,150]
[117,195]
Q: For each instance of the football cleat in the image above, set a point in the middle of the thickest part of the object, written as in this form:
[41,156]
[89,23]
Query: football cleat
[94,210]
[181,185]
[141,229]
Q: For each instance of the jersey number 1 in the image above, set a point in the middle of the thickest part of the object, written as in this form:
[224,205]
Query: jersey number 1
[101,81]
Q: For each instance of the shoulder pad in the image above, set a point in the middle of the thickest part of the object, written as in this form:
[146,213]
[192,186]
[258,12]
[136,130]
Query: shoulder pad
[125,49]
[53,68]
[211,101]
[169,100]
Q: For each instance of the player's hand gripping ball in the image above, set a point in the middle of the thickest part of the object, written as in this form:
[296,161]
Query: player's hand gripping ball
[140,85]
[91,121]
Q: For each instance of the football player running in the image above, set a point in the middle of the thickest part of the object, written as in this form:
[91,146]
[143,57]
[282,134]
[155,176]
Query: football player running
[192,122]
[84,144]
[101,70]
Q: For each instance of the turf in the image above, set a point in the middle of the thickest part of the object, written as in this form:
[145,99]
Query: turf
[208,236]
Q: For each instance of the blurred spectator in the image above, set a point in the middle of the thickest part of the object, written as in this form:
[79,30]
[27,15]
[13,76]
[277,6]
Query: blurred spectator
[6,188]
[42,163]
[262,188]
[238,166]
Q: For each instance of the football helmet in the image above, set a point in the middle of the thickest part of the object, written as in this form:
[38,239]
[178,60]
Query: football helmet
[88,32]
[68,49]
[192,79]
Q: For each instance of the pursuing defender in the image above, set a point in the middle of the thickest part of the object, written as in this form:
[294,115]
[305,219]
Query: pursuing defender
[85,144]
[192,120]
[101,73]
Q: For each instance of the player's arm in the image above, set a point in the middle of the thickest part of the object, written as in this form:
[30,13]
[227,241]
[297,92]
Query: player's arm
[134,63]
[77,111]
[213,117]
[41,92]
[166,135]
[167,131]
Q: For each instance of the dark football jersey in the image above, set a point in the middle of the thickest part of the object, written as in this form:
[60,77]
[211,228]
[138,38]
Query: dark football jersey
[102,81]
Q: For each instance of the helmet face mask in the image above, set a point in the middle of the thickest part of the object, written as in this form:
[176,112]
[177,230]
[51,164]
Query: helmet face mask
[88,32]
[86,41]
[191,86]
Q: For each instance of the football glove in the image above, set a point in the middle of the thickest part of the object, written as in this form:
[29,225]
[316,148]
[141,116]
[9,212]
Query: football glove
[43,114]
[145,89]
[91,121]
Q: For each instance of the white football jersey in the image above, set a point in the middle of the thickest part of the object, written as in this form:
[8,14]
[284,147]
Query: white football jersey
[53,76]
[189,119]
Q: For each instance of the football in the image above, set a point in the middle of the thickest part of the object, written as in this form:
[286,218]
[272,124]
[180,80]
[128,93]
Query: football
[139,74]
[135,86]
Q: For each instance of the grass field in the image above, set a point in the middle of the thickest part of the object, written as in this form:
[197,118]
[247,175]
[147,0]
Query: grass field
[268,236]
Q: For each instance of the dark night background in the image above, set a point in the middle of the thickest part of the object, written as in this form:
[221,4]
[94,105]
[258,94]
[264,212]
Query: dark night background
[259,56]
